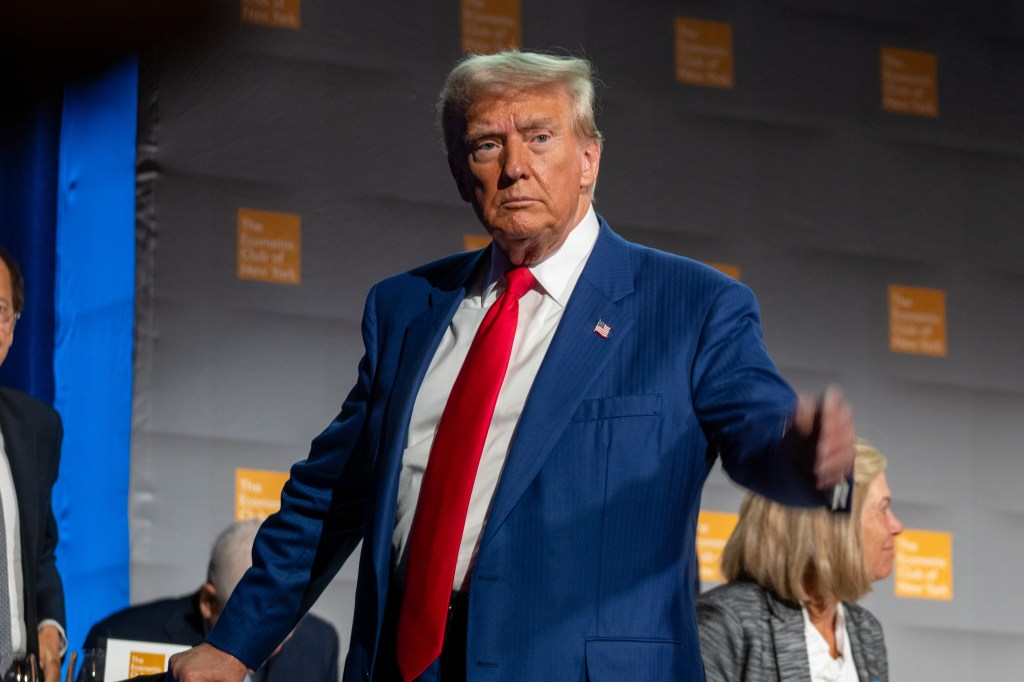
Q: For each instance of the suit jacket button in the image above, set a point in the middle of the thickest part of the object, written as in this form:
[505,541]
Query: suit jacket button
[366,674]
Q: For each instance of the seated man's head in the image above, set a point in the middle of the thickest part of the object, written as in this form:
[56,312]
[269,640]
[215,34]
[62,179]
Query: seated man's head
[230,559]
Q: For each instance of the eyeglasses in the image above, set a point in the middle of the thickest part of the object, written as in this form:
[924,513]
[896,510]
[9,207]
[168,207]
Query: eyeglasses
[7,314]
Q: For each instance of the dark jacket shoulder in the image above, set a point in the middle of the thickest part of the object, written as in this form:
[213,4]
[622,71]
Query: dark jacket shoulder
[740,595]
[23,406]
[169,621]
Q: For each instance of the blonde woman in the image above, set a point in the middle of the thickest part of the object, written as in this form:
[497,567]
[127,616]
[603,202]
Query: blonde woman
[788,612]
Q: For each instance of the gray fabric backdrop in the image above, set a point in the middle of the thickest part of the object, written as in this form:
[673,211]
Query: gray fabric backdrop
[796,175]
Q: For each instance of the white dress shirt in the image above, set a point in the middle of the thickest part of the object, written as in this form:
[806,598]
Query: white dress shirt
[824,668]
[540,311]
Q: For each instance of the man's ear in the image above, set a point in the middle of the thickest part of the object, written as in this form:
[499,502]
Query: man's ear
[209,605]
[591,163]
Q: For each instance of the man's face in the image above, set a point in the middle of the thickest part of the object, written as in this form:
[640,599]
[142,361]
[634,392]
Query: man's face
[6,299]
[526,171]
[879,528]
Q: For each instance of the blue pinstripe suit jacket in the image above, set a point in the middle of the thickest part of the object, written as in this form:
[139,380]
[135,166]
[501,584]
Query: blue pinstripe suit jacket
[585,567]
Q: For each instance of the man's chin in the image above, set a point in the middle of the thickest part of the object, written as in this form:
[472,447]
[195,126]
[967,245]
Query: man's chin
[514,241]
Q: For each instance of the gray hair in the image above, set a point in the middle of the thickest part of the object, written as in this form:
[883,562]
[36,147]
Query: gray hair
[231,557]
[480,75]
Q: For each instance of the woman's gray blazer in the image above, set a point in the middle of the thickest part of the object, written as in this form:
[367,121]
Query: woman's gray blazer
[747,633]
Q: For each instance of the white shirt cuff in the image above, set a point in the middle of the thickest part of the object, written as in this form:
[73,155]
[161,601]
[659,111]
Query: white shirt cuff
[60,629]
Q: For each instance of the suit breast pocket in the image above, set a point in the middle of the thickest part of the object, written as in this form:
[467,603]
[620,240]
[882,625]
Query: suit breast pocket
[626,428]
[618,407]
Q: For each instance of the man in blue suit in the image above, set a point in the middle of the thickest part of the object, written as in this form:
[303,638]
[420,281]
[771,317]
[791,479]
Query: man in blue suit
[629,371]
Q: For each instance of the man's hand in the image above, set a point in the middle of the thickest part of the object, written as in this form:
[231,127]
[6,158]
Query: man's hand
[49,653]
[831,420]
[206,663]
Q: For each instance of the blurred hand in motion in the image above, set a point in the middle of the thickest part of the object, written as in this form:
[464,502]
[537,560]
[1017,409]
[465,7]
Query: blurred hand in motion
[829,420]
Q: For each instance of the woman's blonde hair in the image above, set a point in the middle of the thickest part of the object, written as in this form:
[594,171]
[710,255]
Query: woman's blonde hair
[804,554]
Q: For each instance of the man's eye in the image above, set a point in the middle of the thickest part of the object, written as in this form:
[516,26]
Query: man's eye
[543,137]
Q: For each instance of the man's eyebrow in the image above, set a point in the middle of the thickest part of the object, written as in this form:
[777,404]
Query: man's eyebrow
[476,131]
[538,122]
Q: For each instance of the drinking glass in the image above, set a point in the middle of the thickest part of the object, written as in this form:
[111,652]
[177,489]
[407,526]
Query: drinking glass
[92,666]
[23,669]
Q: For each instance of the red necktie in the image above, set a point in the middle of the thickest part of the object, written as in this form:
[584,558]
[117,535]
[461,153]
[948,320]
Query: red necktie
[451,471]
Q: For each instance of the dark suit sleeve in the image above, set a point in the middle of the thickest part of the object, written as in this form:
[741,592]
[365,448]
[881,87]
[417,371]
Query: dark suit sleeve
[744,405]
[50,589]
[299,549]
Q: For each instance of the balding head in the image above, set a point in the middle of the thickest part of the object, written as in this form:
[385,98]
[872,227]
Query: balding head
[230,559]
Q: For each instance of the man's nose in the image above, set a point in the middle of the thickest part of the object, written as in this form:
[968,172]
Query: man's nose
[514,166]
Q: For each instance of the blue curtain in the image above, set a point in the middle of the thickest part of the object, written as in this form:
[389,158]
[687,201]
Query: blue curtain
[29,143]
[94,321]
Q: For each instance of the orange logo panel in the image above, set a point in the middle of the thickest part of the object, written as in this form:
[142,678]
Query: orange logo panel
[731,270]
[713,530]
[142,663]
[475,242]
[704,53]
[924,565]
[269,246]
[273,13]
[917,320]
[257,493]
[490,26]
[910,82]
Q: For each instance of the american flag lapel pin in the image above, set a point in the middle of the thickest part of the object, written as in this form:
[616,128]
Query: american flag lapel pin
[602,329]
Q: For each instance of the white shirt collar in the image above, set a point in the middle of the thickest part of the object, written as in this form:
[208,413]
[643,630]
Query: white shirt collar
[557,273]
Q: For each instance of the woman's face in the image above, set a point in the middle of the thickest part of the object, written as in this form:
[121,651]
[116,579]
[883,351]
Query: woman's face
[879,528]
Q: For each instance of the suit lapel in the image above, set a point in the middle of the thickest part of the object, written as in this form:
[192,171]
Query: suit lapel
[789,641]
[422,336]
[574,359]
[854,629]
[18,446]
